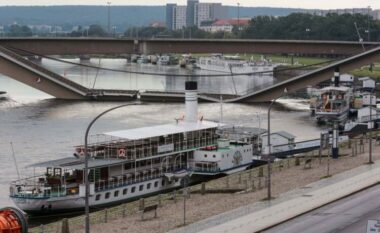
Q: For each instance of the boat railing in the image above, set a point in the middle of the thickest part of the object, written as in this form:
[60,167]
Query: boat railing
[152,150]
[37,191]
[129,179]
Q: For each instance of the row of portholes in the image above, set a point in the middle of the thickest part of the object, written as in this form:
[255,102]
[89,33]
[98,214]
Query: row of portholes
[214,156]
[125,191]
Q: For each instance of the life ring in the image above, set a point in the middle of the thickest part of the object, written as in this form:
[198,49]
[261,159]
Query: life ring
[121,153]
[80,151]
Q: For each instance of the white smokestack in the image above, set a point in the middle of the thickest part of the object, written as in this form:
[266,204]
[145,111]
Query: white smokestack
[191,97]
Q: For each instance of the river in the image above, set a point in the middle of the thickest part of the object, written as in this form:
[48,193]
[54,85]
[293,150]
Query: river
[43,128]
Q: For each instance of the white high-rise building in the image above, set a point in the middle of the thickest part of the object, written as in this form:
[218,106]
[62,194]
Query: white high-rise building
[208,12]
[193,14]
[179,20]
[176,16]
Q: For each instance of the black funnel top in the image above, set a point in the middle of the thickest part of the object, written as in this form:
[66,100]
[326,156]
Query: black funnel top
[191,86]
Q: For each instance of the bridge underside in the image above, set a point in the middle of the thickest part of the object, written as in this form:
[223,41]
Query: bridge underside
[109,46]
[312,78]
[35,80]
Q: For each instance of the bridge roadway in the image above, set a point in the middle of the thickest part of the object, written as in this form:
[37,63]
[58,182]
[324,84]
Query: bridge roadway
[112,46]
[23,70]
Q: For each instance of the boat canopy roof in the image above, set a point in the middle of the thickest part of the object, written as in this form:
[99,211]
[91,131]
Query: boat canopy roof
[161,130]
[73,163]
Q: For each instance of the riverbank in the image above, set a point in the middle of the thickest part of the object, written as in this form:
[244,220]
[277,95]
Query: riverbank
[248,187]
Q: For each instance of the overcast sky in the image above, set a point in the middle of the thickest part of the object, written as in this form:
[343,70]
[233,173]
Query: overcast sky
[320,4]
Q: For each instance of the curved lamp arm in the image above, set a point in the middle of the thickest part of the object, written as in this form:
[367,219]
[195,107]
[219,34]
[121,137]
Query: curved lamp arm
[86,156]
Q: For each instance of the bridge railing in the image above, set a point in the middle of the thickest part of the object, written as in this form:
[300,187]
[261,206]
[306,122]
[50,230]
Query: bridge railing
[44,70]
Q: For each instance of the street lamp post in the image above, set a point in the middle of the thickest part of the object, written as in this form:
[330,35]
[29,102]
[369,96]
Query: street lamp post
[370,127]
[238,15]
[369,23]
[269,147]
[86,158]
[109,18]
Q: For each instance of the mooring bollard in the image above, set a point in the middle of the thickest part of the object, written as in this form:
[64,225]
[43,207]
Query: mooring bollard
[141,204]
[175,196]
[297,161]
[65,226]
[105,215]
[42,228]
[124,210]
[239,180]
[356,147]
[159,197]
[253,185]
[261,171]
[203,188]
[227,182]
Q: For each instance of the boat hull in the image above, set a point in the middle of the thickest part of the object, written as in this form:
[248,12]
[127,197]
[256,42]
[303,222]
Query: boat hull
[41,206]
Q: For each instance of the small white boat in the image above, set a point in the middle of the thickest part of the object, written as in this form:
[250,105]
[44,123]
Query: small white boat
[166,60]
[231,64]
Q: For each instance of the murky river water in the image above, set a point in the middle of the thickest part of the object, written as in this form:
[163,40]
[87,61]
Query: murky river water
[43,128]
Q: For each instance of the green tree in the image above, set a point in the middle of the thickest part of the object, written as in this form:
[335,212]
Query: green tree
[96,31]
[20,31]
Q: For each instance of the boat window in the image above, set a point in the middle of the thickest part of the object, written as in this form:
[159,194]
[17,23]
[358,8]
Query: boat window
[205,155]
[141,187]
[156,184]
[125,191]
[133,189]
[97,198]
[148,186]
[163,183]
[116,193]
[213,156]
[107,195]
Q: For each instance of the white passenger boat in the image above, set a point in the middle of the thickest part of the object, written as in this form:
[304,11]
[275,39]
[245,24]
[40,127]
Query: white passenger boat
[333,104]
[233,65]
[129,164]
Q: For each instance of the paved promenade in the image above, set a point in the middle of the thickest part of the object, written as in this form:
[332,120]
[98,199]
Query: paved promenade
[259,216]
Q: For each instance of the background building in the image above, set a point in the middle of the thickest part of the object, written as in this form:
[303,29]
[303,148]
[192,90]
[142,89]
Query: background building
[176,16]
[169,15]
[180,18]
[190,21]
[364,11]
[194,14]
[224,25]
[376,14]
[208,11]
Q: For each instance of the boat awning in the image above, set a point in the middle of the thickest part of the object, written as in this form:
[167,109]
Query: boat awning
[161,130]
[75,163]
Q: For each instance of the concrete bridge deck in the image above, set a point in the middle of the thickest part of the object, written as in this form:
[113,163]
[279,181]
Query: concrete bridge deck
[112,46]
[31,74]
